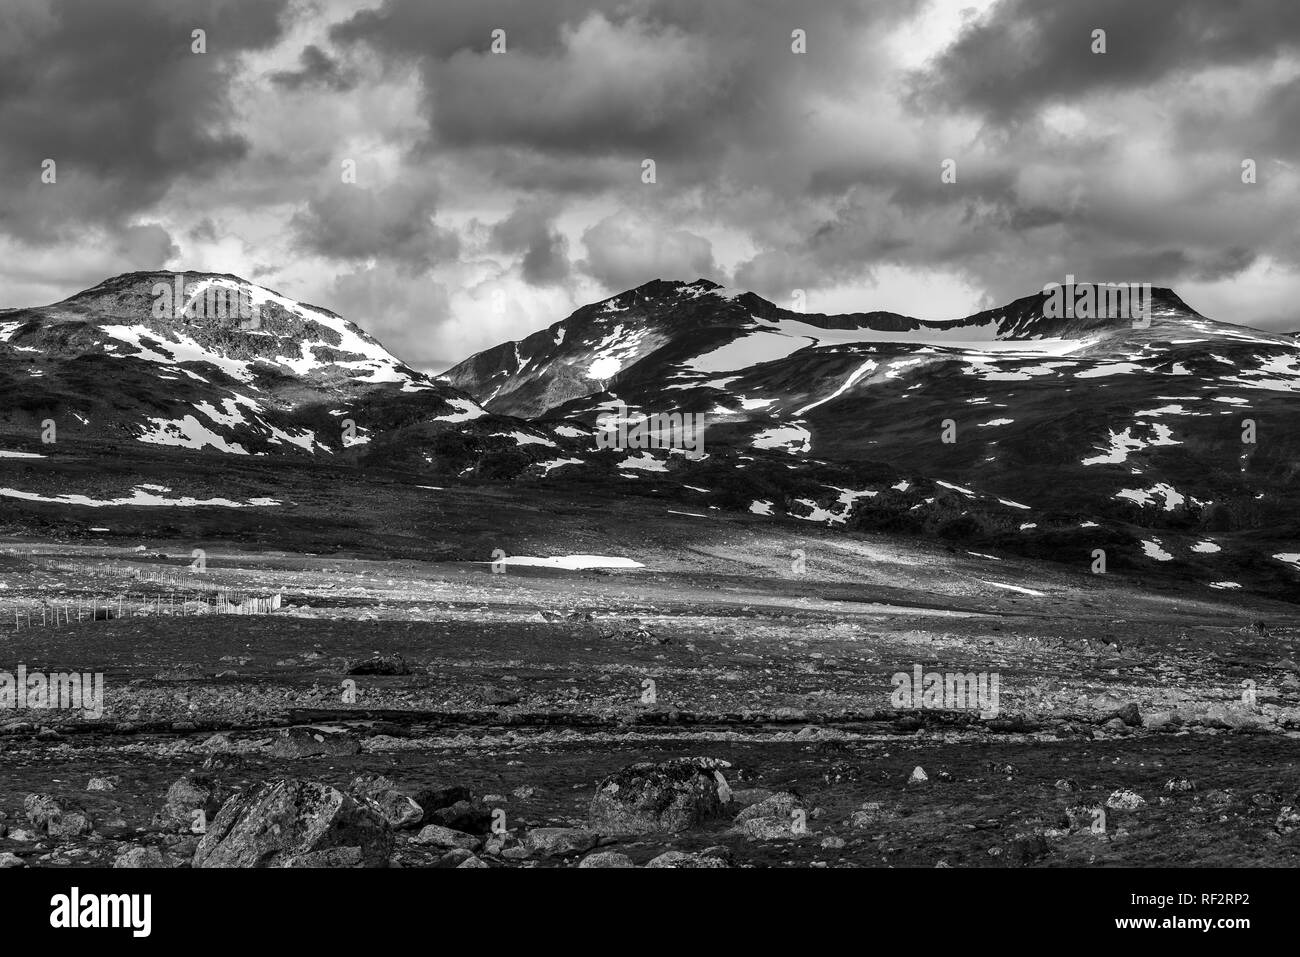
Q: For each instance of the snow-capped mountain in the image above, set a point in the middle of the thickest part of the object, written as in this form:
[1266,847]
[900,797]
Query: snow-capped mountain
[1159,433]
[1163,439]
[280,378]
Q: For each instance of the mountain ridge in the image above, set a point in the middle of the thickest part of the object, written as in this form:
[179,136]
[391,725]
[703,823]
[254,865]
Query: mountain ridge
[1009,430]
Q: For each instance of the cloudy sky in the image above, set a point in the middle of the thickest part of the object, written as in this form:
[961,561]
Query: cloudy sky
[496,192]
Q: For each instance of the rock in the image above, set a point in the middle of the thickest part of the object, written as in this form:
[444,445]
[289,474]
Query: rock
[222,761]
[142,857]
[1160,720]
[306,742]
[559,841]
[471,861]
[918,776]
[51,817]
[102,784]
[217,743]
[378,665]
[1129,715]
[468,816]
[1067,784]
[9,860]
[606,859]
[1179,784]
[1217,798]
[669,796]
[279,821]
[435,835]
[438,796]
[398,809]
[181,845]
[329,857]
[454,857]
[682,859]
[1288,819]
[194,792]
[495,697]
[872,813]
[781,805]
[1125,800]
[832,843]
[771,829]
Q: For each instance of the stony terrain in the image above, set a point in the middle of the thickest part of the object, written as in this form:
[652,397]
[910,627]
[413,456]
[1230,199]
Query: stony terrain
[496,717]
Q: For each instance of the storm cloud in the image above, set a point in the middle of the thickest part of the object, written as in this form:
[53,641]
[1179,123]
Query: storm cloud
[934,157]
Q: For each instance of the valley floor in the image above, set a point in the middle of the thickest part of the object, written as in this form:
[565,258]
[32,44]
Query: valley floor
[1132,727]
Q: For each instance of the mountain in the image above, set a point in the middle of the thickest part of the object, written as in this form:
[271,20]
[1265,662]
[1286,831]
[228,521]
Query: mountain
[1165,440]
[104,365]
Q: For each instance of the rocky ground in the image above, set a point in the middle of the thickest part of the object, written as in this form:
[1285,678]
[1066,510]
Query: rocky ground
[715,708]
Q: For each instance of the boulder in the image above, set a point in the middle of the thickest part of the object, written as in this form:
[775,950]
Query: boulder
[682,859]
[781,805]
[559,841]
[52,817]
[194,792]
[468,816]
[308,742]
[872,814]
[668,796]
[142,857]
[398,809]
[435,797]
[279,822]
[435,835]
[1125,800]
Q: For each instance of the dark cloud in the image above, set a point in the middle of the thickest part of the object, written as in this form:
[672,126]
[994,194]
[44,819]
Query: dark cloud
[394,223]
[530,230]
[317,69]
[112,92]
[204,230]
[815,171]
[625,251]
[650,78]
[150,246]
[1025,53]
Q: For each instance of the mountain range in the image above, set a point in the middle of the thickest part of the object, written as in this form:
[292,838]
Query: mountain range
[1164,442]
